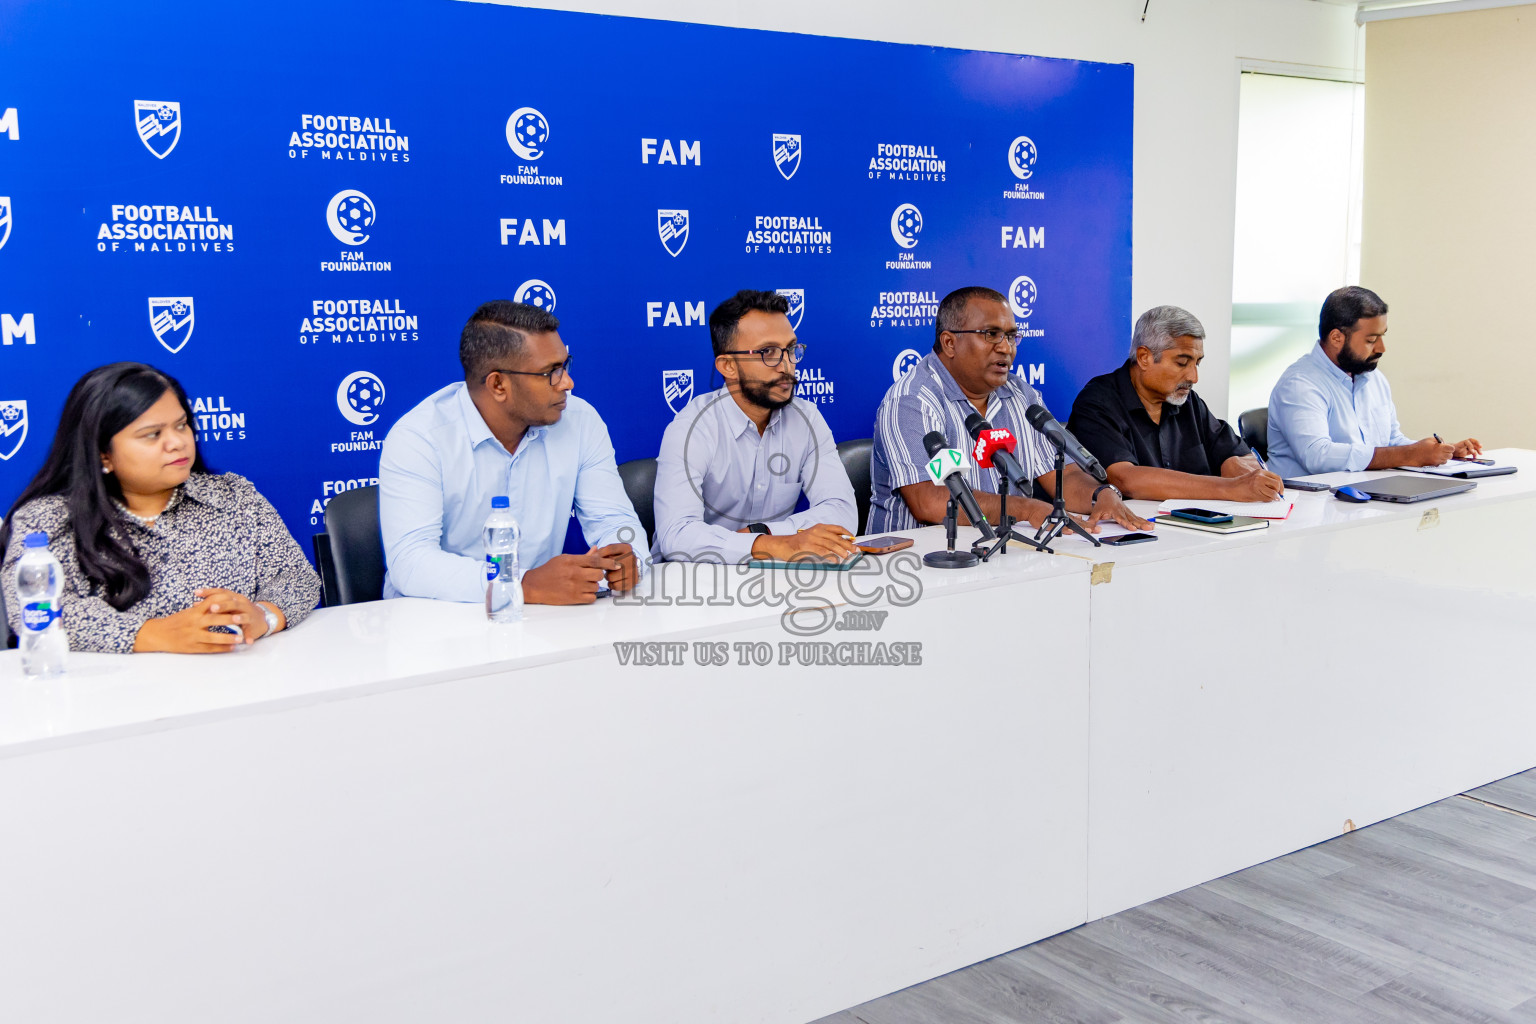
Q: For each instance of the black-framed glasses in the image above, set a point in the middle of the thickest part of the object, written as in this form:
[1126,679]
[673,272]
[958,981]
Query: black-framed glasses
[993,334]
[772,356]
[554,376]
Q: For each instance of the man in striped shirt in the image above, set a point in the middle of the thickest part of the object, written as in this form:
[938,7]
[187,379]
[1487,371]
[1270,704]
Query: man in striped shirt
[970,370]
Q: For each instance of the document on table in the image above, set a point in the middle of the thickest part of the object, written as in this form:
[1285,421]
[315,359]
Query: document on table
[1280,508]
[1449,469]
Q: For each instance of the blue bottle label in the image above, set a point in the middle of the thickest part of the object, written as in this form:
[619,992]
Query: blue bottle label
[38,615]
[492,567]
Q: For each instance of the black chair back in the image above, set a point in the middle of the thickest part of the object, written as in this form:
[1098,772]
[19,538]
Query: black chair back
[639,476]
[357,545]
[856,455]
[325,565]
[1253,425]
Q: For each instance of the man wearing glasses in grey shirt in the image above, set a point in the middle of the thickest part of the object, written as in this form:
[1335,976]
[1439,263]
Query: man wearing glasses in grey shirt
[735,462]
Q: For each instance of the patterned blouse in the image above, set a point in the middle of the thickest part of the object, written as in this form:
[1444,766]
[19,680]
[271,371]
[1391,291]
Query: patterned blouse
[216,532]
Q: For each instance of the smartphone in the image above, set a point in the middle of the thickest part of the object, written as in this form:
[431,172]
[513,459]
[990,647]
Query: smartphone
[883,545]
[1130,538]
[1480,462]
[1304,485]
[1201,515]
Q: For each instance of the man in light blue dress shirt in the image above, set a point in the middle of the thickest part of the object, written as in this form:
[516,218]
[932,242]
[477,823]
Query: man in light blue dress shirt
[1332,411]
[735,462]
[513,428]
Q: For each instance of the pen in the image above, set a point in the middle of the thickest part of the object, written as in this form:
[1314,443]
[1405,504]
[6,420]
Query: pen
[1437,439]
[1265,467]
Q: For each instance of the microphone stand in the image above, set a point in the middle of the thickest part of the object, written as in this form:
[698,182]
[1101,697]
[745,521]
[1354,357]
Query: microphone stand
[950,559]
[1058,522]
[1005,527]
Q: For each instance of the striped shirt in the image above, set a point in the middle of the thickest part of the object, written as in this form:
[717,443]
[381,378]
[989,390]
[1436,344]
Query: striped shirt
[927,398]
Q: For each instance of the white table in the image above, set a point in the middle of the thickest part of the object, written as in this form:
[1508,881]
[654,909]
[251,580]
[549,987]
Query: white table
[396,812]
[1256,694]
[399,813]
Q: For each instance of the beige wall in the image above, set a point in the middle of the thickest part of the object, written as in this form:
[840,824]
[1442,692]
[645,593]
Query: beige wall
[1449,237]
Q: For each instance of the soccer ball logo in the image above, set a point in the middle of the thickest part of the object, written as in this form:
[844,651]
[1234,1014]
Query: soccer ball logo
[1022,156]
[905,360]
[1021,296]
[527,131]
[349,215]
[906,225]
[179,309]
[359,397]
[166,112]
[536,293]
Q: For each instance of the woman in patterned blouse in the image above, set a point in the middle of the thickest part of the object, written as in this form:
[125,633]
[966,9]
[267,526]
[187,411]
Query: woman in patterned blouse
[159,554]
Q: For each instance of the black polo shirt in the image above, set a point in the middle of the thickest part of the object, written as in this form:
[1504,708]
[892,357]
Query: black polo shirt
[1110,421]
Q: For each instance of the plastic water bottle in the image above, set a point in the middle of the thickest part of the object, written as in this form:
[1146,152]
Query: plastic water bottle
[39,582]
[503,575]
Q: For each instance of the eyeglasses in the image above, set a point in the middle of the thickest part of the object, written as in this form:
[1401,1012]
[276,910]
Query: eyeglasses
[773,356]
[554,376]
[992,335]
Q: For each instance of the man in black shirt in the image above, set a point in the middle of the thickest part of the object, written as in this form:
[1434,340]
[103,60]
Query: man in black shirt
[1154,435]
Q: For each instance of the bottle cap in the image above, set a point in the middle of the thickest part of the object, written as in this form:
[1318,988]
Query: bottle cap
[35,540]
[500,501]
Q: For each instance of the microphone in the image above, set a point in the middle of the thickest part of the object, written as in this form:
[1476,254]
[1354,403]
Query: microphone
[997,445]
[946,466]
[1041,419]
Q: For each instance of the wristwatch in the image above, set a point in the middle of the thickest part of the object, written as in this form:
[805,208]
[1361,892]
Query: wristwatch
[272,620]
[758,528]
[1105,487]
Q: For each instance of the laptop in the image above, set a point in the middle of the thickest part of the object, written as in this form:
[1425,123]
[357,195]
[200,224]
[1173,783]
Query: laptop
[1407,489]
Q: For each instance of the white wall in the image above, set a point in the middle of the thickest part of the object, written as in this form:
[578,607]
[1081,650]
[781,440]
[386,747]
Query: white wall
[1186,55]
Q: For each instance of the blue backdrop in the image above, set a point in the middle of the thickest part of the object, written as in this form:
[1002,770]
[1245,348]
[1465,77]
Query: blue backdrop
[293,207]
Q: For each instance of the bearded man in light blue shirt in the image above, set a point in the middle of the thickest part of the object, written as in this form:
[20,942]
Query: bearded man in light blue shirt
[1332,411]
[511,427]
[735,462]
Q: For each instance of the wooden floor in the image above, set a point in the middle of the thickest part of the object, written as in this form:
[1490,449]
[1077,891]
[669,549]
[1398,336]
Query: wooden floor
[1430,916]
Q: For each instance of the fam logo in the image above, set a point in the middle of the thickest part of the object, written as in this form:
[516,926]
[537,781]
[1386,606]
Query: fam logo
[796,297]
[349,215]
[12,329]
[359,397]
[345,137]
[527,131]
[354,321]
[535,293]
[907,229]
[13,427]
[676,388]
[900,162]
[672,226]
[907,225]
[216,421]
[172,319]
[554,231]
[5,220]
[159,124]
[1022,156]
[164,228]
[685,152]
[905,360]
[786,154]
[904,309]
[691,313]
[1022,295]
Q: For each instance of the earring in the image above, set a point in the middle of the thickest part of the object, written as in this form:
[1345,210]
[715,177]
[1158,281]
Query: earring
[106,470]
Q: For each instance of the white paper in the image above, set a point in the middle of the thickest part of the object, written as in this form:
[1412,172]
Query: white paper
[1449,469]
[1280,508]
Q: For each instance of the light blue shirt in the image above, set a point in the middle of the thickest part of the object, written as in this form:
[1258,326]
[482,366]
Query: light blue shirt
[716,474]
[440,468]
[1322,420]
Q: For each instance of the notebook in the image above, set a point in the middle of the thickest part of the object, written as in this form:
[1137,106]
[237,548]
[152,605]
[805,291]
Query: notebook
[1238,524]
